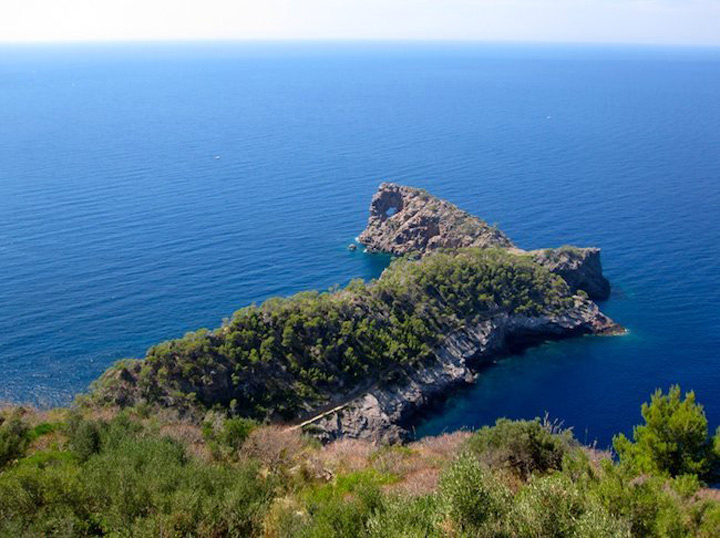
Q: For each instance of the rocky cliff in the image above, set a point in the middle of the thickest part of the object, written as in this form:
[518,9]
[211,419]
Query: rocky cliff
[405,220]
[580,267]
[386,412]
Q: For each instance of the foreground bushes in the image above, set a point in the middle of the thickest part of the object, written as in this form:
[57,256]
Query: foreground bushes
[14,437]
[525,447]
[131,474]
[120,478]
[674,439]
[472,496]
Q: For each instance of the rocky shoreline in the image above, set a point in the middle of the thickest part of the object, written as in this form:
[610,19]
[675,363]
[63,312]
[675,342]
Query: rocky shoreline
[386,413]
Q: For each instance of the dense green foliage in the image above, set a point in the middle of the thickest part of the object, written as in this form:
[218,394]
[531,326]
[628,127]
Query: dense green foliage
[136,474]
[674,439]
[121,478]
[525,447]
[290,354]
[225,437]
[14,438]
[473,497]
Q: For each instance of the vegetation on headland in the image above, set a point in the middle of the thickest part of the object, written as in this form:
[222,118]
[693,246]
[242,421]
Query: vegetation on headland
[105,472]
[291,354]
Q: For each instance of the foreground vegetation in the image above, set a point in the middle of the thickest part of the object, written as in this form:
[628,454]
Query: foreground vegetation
[291,354]
[90,472]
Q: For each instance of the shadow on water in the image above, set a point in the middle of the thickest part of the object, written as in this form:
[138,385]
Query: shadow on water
[560,379]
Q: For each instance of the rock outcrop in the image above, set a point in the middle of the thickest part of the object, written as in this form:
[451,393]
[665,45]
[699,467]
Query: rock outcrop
[405,220]
[580,267]
[385,413]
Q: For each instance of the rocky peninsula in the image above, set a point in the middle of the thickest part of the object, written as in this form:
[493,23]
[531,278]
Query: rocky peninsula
[365,361]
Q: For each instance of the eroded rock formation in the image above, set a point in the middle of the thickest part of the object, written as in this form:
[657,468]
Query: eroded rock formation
[405,219]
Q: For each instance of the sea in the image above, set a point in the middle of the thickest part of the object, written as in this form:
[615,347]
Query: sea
[147,190]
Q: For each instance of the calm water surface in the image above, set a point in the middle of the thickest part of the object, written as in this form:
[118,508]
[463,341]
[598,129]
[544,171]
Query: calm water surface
[150,190]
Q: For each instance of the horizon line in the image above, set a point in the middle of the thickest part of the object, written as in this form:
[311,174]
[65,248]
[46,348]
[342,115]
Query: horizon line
[360,40]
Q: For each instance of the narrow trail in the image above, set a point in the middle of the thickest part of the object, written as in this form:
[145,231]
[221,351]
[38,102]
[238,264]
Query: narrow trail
[352,396]
[320,416]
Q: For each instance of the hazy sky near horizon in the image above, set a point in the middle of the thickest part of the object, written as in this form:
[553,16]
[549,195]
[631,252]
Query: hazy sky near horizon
[688,22]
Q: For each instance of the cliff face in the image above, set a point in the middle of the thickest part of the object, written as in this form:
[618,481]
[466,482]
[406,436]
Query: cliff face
[385,413]
[405,220]
[580,267]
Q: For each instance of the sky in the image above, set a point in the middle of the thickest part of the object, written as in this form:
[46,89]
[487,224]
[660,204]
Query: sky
[685,22]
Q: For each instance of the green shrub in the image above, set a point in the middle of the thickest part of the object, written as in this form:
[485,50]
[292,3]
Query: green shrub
[686,485]
[343,516]
[525,446]
[225,437]
[547,507]
[14,437]
[651,505]
[402,517]
[674,439]
[596,522]
[471,496]
[236,430]
[44,428]
[125,477]
[83,437]
[133,483]
[43,496]
[366,480]
[340,508]
[710,524]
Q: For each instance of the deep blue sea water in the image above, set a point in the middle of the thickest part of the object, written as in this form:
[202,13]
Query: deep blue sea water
[148,190]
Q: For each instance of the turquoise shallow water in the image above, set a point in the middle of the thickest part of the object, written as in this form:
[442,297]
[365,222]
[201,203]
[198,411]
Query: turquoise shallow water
[120,226]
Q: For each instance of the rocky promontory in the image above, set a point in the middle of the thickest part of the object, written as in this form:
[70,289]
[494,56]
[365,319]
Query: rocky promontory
[366,360]
[406,220]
